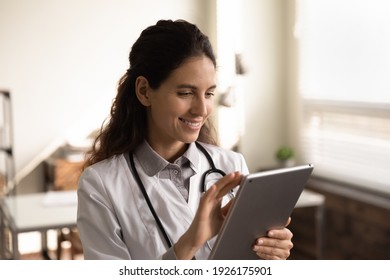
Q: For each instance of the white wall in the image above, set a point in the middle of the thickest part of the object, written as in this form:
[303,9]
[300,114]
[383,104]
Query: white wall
[61,61]
[256,29]
[264,52]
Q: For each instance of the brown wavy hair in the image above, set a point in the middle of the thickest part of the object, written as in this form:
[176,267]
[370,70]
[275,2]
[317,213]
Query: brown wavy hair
[160,49]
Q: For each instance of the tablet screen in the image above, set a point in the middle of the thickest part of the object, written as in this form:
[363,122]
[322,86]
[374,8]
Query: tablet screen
[264,201]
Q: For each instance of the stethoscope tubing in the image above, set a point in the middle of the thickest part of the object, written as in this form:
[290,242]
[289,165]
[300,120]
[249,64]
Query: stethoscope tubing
[213,169]
[150,205]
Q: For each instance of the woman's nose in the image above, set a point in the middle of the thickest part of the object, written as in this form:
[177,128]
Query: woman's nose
[200,106]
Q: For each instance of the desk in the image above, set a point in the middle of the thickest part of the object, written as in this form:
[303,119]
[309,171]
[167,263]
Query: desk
[26,213]
[313,199]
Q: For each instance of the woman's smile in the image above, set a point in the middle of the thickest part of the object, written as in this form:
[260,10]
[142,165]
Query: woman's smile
[192,124]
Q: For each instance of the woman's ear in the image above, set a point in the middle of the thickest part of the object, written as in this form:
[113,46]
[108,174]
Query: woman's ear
[142,90]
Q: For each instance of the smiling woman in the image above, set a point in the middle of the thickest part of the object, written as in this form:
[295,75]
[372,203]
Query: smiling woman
[141,195]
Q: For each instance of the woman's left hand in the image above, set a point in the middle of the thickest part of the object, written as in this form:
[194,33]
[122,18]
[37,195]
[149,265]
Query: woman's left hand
[276,245]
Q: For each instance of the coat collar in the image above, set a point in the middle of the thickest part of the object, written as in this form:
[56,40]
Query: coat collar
[152,163]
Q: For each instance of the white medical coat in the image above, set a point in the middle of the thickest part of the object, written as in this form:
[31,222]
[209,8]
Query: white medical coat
[114,219]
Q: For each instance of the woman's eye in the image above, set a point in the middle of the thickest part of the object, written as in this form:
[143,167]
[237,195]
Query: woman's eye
[209,94]
[190,93]
[184,93]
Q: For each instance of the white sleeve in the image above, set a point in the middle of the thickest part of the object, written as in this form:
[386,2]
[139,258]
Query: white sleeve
[244,167]
[100,232]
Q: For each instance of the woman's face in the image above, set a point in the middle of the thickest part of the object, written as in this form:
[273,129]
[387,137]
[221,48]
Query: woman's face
[181,105]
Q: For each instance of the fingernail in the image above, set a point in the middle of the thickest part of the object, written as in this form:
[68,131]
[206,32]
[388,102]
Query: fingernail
[260,241]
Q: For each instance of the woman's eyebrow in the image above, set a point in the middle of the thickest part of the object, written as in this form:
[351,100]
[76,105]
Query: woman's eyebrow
[189,86]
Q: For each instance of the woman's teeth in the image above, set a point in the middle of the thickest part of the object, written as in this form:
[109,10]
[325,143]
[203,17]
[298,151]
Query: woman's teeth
[192,124]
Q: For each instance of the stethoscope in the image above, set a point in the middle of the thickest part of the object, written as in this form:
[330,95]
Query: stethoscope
[212,170]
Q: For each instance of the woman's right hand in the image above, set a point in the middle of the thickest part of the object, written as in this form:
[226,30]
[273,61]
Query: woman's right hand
[208,218]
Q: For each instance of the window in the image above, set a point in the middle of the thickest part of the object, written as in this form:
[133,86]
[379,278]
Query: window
[344,86]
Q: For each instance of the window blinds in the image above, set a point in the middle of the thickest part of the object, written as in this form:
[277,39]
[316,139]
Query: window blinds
[344,85]
[348,142]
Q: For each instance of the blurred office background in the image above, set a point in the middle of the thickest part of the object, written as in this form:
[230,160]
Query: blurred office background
[307,75]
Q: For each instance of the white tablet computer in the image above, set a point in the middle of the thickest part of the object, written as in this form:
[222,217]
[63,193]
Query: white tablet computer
[264,201]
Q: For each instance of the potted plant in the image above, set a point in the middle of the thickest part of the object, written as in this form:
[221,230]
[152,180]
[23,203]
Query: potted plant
[285,156]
